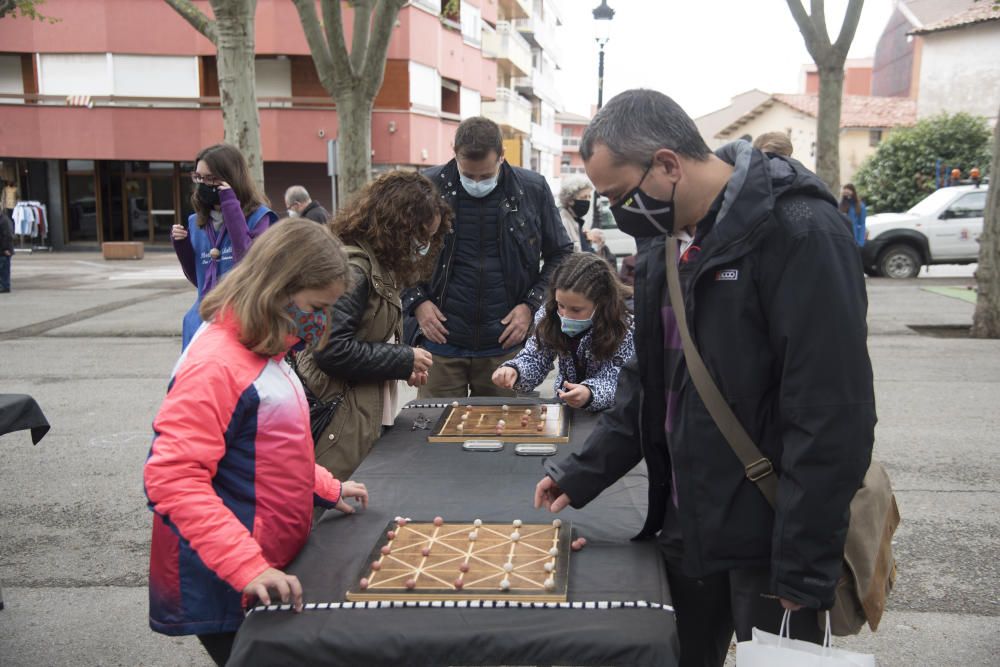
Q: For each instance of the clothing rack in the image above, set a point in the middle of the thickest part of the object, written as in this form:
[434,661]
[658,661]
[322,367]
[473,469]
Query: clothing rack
[31,222]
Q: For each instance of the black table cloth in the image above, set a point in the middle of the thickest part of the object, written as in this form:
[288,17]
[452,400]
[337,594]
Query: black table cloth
[619,605]
[19,412]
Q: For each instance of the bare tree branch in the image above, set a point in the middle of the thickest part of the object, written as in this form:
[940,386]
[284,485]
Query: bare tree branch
[385,20]
[196,18]
[806,26]
[317,43]
[851,19]
[362,25]
[333,22]
[818,10]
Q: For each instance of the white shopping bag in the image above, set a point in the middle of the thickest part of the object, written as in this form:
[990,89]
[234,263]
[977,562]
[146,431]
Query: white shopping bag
[768,650]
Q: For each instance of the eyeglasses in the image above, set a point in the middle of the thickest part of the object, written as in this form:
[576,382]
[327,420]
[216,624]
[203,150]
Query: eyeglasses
[202,178]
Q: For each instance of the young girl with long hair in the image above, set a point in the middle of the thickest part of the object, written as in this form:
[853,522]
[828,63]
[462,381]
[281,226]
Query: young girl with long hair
[229,213]
[586,326]
[393,231]
[230,475]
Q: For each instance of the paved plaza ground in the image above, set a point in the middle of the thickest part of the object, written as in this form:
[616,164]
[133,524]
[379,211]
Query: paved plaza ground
[94,343]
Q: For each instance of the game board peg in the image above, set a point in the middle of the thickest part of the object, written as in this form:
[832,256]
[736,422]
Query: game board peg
[460,428]
[454,404]
[464,567]
[363,584]
[459,583]
[505,584]
[540,427]
[527,412]
[391,534]
[578,543]
[508,567]
[477,523]
[556,523]
[376,565]
[549,566]
[425,552]
[438,521]
[515,536]
[550,584]
[505,408]
[518,523]
[410,584]
[472,536]
[386,550]
[400,521]
[553,551]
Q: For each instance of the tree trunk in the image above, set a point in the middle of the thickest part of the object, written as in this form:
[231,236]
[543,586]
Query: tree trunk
[986,320]
[354,146]
[235,48]
[831,88]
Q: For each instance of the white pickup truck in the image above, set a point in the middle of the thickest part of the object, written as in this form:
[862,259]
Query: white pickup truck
[943,228]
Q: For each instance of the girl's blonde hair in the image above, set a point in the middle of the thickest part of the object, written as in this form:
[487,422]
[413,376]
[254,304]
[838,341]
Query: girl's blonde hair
[291,256]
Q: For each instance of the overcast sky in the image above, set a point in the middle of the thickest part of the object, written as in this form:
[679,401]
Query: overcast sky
[700,52]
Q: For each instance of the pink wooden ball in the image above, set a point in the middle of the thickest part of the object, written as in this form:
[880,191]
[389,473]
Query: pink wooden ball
[363,584]
[376,566]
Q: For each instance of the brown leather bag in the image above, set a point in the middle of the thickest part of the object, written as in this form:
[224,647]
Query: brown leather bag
[869,570]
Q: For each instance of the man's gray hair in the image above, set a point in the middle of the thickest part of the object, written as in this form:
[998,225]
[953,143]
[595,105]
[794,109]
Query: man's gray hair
[297,195]
[571,187]
[637,123]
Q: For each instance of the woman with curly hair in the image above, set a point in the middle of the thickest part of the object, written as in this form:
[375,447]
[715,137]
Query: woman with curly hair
[586,328]
[574,204]
[392,231]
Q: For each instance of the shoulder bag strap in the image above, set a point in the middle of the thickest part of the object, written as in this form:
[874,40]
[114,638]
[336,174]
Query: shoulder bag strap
[758,468]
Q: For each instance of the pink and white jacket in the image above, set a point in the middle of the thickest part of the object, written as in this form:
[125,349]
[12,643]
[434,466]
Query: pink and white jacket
[231,478]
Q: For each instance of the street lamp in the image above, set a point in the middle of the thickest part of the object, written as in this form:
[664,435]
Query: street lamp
[603,15]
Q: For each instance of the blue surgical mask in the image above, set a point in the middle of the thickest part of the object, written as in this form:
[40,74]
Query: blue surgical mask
[574,327]
[309,326]
[479,189]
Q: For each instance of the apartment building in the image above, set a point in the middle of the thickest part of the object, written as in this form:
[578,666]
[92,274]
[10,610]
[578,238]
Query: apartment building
[104,111]
[523,41]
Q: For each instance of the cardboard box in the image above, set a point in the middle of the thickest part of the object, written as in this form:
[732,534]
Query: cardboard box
[123,250]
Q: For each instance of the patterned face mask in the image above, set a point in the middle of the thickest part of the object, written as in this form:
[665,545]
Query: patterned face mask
[309,326]
[572,327]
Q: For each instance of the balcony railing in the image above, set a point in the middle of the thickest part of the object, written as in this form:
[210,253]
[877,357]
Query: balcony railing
[546,139]
[509,110]
[126,101]
[509,48]
[540,34]
[539,84]
[571,144]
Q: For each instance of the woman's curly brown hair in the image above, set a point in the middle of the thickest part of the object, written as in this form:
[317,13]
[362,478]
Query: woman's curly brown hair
[393,215]
[589,275]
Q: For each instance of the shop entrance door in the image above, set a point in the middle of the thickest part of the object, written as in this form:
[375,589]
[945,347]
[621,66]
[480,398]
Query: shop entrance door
[149,206]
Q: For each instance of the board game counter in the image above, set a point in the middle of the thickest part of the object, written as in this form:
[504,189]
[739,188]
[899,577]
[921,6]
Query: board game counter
[618,605]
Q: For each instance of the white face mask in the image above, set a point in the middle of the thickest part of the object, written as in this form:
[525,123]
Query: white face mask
[293,213]
[479,189]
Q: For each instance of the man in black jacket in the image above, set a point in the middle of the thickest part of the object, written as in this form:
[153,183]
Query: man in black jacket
[775,299]
[6,250]
[490,278]
[300,204]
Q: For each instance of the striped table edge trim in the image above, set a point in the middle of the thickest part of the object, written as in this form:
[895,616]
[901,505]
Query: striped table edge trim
[466,604]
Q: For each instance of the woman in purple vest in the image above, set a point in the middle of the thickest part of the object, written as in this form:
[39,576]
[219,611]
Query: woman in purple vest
[230,212]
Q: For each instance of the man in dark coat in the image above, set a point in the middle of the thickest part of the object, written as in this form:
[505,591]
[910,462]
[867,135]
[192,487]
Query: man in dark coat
[775,299]
[6,250]
[492,272]
[300,204]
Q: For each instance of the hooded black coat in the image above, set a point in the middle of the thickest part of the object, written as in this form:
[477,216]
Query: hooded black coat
[777,306]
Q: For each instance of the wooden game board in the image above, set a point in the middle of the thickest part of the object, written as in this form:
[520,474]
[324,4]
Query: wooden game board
[481,423]
[535,566]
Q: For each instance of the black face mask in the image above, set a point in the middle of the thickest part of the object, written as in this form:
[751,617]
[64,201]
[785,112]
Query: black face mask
[580,207]
[639,215]
[208,195]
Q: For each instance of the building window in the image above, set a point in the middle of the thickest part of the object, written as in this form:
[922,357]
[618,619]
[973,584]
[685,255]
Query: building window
[75,74]
[425,87]
[472,24]
[472,103]
[874,137]
[176,76]
[451,101]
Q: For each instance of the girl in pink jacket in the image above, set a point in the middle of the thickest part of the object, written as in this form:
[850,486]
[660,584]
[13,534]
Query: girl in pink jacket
[230,475]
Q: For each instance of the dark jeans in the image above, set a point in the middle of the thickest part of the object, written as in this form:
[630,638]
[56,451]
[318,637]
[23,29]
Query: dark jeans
[709,609]
[219,646]
[4,273]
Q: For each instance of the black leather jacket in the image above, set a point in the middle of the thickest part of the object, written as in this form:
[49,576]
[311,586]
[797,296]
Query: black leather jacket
[355,360]
[532,240]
